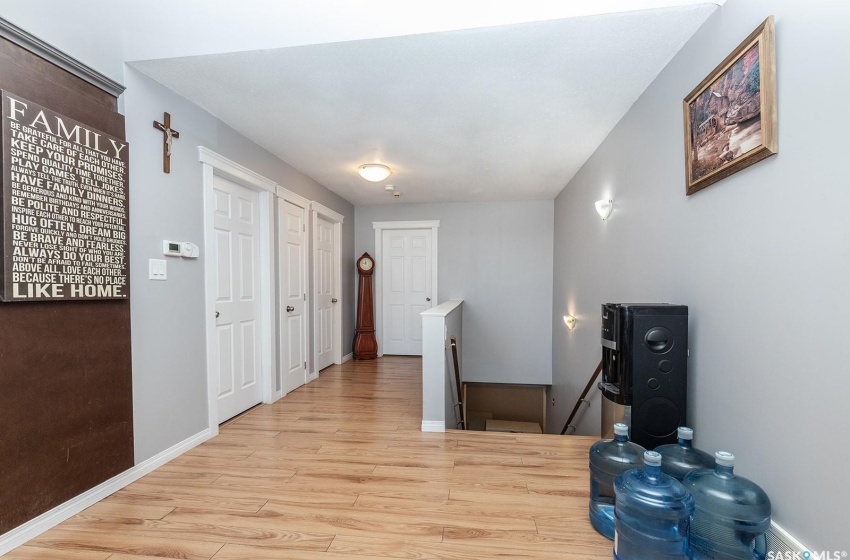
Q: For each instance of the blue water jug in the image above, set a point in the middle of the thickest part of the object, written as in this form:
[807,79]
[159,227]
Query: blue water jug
[609,459]
[679,459]
[731,516]
[652,514]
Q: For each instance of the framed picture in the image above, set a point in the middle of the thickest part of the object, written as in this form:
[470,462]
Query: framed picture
[730,118]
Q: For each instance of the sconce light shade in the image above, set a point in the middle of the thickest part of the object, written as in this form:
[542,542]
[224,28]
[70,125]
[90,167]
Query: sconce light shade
[604,208]
[570,321]
[374,172]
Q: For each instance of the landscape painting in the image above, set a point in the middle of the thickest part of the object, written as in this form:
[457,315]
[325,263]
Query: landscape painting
[730,118]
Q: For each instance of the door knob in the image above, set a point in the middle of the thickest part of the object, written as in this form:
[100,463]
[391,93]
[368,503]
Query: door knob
[334,300]
[427,299]
[289,309]
[217,314]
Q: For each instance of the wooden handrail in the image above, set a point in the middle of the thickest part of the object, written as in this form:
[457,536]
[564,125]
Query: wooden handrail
[582,399]
[457,382]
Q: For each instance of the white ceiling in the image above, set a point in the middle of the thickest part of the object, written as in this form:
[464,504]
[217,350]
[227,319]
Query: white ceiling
[150,29]
[469,100]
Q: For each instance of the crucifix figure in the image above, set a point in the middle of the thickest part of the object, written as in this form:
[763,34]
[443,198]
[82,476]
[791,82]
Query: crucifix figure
[168,140]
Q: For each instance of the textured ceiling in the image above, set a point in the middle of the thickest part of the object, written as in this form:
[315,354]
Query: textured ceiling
[500,113]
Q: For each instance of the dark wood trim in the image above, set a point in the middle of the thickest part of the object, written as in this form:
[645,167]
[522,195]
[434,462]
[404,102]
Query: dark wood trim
[62,60]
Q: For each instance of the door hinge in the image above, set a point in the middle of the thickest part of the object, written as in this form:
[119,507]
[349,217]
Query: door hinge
[305,365]
[303,227]
[305,297]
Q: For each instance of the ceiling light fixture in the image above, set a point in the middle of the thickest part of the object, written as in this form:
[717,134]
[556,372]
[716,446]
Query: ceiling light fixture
[374,172]
[604,207]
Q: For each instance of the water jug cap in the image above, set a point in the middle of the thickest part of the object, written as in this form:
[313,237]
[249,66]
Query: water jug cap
[652,458]
[621,429]
[686,433]
[724,459]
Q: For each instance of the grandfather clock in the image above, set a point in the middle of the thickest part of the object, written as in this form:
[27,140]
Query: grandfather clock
[365,343]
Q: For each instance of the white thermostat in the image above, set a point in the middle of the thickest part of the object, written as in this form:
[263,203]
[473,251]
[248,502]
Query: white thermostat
[172,248]
[180,249]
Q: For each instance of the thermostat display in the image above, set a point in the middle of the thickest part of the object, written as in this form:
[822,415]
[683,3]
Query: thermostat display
[172,248]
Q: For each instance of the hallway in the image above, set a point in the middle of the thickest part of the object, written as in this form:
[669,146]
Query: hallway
[339,469]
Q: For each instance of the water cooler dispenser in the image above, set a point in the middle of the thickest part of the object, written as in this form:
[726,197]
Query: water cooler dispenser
[644,370]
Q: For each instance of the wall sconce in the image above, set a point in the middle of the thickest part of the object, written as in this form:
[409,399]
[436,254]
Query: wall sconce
[374,172]
[604,207]
[570,321]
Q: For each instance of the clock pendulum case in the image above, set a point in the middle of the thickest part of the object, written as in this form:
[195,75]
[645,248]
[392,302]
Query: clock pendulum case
[365,343]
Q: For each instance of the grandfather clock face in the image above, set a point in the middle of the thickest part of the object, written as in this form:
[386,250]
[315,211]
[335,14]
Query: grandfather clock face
[365,264]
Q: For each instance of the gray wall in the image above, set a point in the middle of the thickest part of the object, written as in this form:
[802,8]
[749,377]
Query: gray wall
[762,259]
[169,361]
[497,257]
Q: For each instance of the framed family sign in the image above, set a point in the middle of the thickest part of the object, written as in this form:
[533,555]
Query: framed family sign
[64,223]
[730,118]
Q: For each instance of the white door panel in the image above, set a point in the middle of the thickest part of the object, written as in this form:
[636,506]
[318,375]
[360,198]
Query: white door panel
[225,360]
[406,281]
[237,306]
[324,293]
[249,364]
[293,294]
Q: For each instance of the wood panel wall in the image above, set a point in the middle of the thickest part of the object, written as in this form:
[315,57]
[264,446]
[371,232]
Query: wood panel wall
[66,406]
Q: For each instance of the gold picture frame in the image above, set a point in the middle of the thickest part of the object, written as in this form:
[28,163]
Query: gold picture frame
[730,117]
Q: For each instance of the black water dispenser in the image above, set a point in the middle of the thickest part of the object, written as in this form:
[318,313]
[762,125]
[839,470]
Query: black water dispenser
[644,370]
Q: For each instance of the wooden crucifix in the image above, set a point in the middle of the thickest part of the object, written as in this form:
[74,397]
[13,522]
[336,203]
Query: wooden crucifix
[169,135]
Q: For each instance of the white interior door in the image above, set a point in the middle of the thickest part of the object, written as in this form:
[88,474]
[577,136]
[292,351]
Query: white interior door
[293,261]
[237,297]
[406,283]
[324,282]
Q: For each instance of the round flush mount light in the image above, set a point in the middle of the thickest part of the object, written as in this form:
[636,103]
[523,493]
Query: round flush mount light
[374,172]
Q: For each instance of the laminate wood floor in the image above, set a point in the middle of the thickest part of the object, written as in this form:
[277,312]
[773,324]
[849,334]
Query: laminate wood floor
[339,469]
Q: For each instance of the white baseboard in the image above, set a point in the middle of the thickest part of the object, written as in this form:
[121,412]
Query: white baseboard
[47,520]
[433,426]
[347,357]
[781,541]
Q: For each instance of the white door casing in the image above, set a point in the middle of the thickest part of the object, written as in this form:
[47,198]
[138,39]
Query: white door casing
[381,290]
[327,287]
[218,171]
[406,281]
[292,272]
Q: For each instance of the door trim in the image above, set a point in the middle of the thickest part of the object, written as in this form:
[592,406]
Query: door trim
[379,227]
[285,195]
[214,165]
[319,210]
